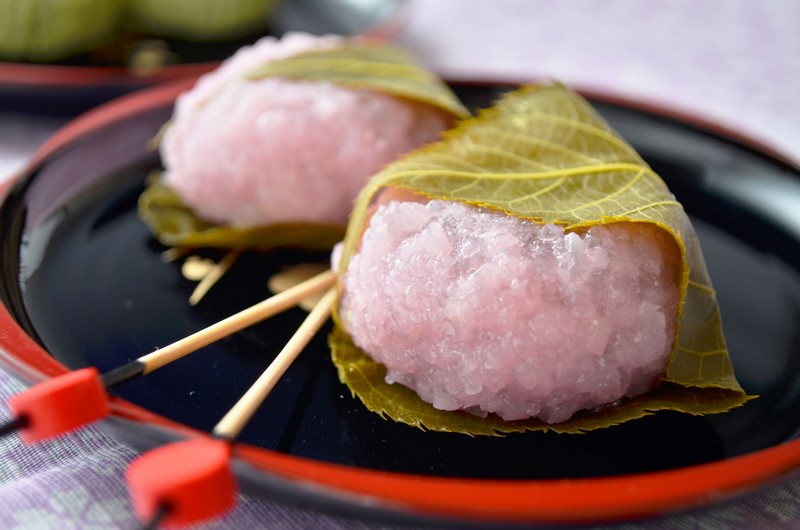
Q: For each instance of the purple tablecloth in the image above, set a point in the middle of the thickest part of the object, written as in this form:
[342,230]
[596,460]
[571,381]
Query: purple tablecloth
[732,62]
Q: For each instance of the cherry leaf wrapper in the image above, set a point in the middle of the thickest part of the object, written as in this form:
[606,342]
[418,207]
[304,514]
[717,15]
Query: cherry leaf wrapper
[176,225]
[370,66]
[378,68]
[545,155]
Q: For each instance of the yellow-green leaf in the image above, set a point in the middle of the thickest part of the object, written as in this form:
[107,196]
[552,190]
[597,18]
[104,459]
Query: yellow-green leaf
[376,67]
[544,154]
[365,378]
[176,225]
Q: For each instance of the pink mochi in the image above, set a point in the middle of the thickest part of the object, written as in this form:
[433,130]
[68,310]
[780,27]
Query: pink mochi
[247,152]
[480,311]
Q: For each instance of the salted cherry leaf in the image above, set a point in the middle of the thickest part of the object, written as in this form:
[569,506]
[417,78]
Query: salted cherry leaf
[375,67]
[366,380]
[176,225]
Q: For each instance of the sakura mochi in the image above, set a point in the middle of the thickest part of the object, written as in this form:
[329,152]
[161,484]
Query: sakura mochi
[251,152]
[481,311]
[528,266]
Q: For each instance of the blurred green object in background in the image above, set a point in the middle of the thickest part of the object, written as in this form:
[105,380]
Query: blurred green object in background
[49,30]
[200,20]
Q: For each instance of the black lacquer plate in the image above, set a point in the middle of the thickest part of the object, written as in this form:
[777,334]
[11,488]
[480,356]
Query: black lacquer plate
[82,276]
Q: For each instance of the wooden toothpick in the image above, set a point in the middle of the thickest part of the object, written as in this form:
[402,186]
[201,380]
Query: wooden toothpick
[234,421]
[256,313]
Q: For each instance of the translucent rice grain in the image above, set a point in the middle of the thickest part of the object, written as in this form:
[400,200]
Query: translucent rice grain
[250,153]
[479,311]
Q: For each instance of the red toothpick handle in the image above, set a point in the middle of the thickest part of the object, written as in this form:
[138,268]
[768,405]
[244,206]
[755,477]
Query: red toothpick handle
[59,405]
[191,480]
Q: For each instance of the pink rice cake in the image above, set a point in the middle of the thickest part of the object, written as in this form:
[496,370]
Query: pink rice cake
[248,152]
[480,311]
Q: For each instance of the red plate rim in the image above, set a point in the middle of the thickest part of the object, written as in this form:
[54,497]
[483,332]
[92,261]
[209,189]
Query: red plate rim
[540,501]
[54,76]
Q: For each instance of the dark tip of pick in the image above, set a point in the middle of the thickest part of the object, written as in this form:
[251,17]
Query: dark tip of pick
[13,425]
[157,518]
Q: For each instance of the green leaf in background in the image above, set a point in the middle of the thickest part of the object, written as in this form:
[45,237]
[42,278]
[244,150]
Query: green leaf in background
[176,225]
[544,154]
[379,68]
[46,31]
[200,20]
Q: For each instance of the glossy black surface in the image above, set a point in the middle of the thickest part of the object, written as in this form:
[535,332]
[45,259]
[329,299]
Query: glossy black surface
[83,275]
